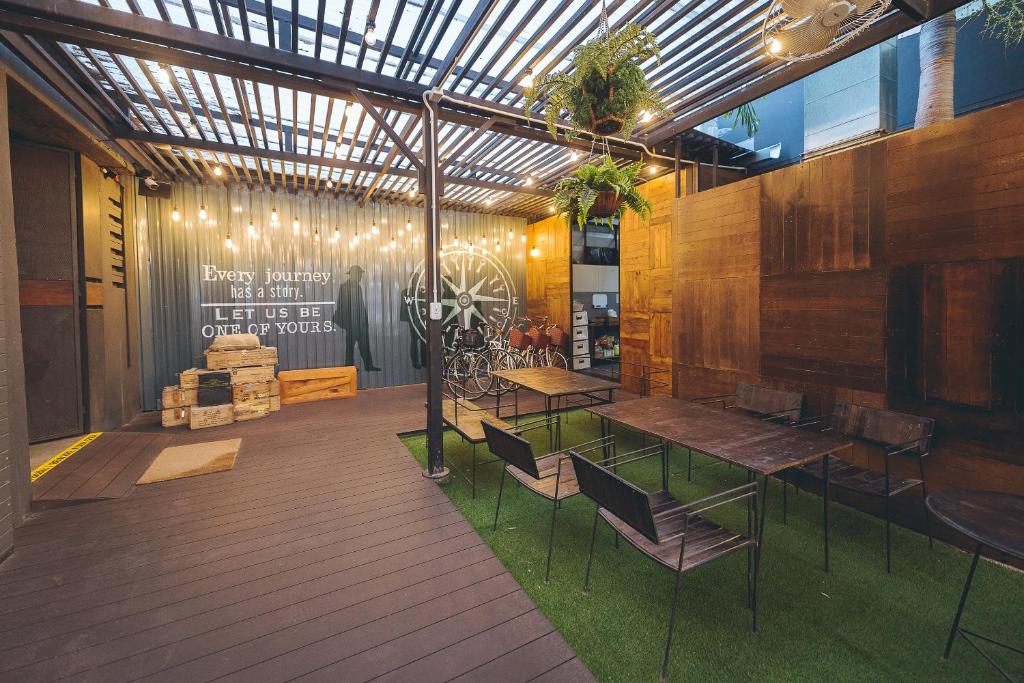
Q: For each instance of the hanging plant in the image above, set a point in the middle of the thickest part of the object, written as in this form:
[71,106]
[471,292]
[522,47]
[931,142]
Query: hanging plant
[603,90]
[600,191]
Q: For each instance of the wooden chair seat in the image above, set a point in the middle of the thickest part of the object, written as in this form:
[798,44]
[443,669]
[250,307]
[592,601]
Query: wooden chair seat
[705,540]
[467,419]
[546,484]
[860,479]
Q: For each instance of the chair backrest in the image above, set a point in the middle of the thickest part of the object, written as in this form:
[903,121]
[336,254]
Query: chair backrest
[767,401]
[886,427]
[512,448]
[624,500]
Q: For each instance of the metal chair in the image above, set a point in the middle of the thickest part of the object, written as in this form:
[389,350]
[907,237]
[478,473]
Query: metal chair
[550,476]
[673,534]
[897,434]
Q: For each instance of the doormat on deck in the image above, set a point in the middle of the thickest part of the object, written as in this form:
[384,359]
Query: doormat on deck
[192,460]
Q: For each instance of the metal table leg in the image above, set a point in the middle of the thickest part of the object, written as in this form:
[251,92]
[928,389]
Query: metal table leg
[825,501]
[963,601]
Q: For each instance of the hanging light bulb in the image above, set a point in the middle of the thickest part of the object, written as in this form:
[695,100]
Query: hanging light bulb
[316,236]
[374,230]
[337,234]
[330,184]
[163,74]
[646,116]
[408,227]
[522,238]
[775,46]
[175,215]
[274,218]
[393,243]
[252,228]
[228,244]
[412,191]
[551,209]
[527,81]
[529,181]
[455,242]
[497,246]
[483,240]
[296,226]
[202,213]
[355,238]
[511,235]
[351,244]
[535,252]
[371,34]
[470,246]
[218,171]
[652,169]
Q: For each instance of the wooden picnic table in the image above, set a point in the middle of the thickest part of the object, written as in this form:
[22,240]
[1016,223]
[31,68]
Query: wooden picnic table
[555,384]
[760,447]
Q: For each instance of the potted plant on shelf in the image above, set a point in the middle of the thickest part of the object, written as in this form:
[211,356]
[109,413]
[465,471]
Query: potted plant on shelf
[603,90]
[600,191]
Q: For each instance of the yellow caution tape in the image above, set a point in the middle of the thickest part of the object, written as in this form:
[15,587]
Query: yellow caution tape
[65,454]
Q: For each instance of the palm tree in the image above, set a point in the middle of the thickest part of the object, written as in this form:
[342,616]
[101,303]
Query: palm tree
[935,90]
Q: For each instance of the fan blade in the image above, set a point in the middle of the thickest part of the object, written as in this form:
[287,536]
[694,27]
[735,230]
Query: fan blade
[802,9]
[807,37]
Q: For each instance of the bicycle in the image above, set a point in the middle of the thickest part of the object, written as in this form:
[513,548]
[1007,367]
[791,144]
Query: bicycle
[467,370]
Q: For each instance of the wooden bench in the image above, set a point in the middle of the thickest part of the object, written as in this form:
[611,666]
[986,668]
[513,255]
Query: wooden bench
[466,419]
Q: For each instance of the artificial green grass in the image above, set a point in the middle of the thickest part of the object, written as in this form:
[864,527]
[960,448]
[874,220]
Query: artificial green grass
[853,624]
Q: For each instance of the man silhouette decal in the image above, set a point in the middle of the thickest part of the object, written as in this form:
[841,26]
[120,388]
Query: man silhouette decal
[350,315]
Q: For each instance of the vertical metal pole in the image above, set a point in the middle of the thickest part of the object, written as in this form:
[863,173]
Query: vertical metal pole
[714,166]
[432,186]
[678,167]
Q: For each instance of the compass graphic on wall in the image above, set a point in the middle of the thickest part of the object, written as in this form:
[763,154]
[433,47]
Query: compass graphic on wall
[476,286]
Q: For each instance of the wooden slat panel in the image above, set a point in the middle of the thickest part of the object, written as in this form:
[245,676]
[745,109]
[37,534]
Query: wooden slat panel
[46,292]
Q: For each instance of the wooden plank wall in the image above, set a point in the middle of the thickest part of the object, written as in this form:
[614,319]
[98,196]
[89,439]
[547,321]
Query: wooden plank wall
[887,275]
[548,273]
[645,283]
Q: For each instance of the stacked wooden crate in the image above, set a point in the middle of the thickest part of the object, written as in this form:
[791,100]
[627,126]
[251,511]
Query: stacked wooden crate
[237,384]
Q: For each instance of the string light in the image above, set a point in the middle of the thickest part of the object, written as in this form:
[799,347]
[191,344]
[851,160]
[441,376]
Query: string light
[483,240]
[163,74]
[371,34]
[296,226]
[252,229]
[412,192]
[408,227]
[202,213]
[218,171]
[274,218]
[646,116]
[652,169]
[527,81]
[775,46]
[551,209]
[497,246]
[374,230]
[316,236]
[511,235]
[355,238]
[529,181]
[534,252]
[228,243]
[337,234]
[393,243]
[522,238]
[455,242]
[330,184]
[175,215]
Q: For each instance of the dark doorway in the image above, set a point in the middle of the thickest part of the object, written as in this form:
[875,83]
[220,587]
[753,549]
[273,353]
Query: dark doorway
[46,228]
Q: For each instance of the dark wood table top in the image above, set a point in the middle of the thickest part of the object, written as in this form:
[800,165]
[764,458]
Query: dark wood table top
[991,518]
[556,381]
[748,442]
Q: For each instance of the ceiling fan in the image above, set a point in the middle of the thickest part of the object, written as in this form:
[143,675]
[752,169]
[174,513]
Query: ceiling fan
[797,30]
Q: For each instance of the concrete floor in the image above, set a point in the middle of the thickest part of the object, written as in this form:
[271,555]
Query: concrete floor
[41,452]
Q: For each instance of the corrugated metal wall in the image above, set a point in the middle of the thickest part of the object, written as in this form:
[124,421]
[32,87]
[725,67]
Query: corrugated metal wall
[193,285]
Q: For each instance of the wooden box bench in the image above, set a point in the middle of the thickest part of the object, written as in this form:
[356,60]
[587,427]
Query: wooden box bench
[316,384]
[466,419]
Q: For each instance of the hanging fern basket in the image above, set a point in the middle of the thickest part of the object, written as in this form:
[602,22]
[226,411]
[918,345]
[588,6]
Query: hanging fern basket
[606,205]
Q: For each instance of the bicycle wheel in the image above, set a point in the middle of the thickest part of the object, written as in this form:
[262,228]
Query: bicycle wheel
[470,375]
[557,360]
[501,359]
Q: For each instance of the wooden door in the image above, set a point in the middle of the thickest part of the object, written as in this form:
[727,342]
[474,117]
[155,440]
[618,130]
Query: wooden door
[46,229]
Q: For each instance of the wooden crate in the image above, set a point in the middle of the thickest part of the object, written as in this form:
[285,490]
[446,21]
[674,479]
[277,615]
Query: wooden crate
[225,360]
[189,379]
[173,417]
[251,375]
[176,397]
[201,417]
[317,384]
[251,391]
[275,402]
[252,409]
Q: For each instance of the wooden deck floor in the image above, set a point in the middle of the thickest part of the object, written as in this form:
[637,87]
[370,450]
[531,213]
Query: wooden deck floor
[323,555]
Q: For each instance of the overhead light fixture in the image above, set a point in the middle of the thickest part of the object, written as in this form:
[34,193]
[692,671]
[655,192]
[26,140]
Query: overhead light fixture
[202,213]
[374,230]
[527,81]
[775,46]
[534,252]
[251,229]
[296,226]
[228,244]
[371,33]
[337,234]
[273,216]
[511,235]
[218,171]
[175,215]
[330,184]
[408,226]
[646,116]
[522,238]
